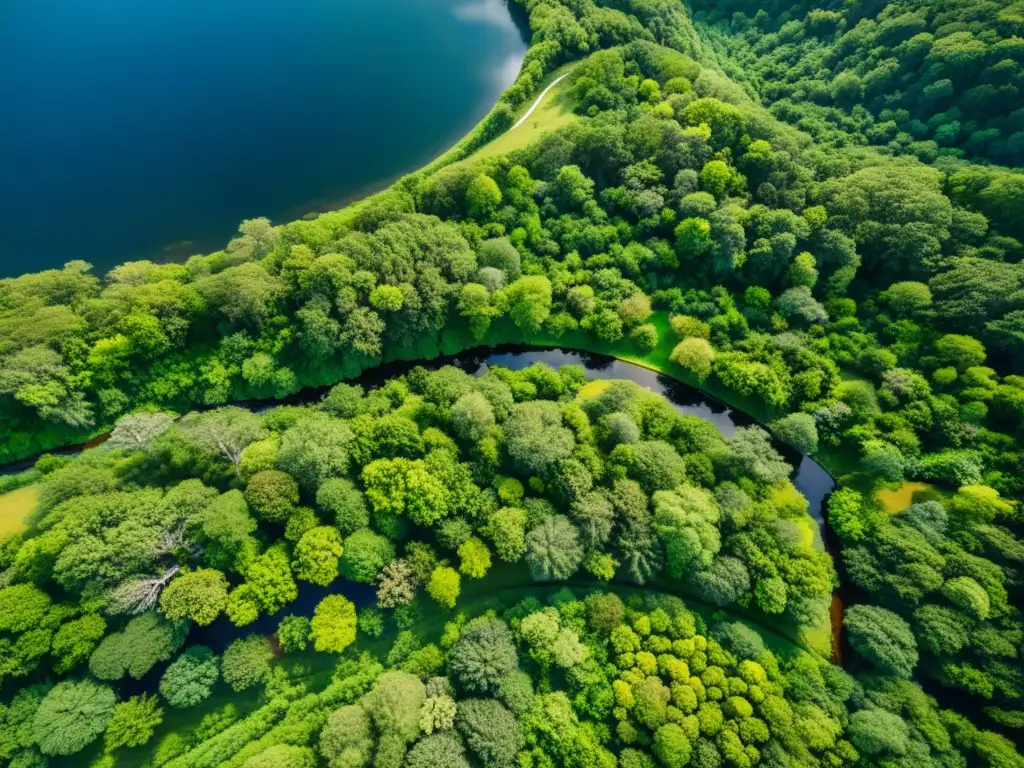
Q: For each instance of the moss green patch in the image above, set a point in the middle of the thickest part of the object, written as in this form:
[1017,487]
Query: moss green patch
[897,498]
[14,508]
[593,388]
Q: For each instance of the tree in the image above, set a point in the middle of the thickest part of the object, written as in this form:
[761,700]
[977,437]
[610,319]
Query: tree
[507,529]
[499,253]
[846,89]
[475,301]
[283,756]
[75,641]
[724,582]
[535,438]
[133,722]
[908,298]
[190,678]
[403,487]
[394,704]
[225,432]
[803,270]
[877,732]
[246,662]
[145,641]
[961,352]
[72,716]
[333,627]
[671,746]
[472,417]
[883,638]
[315,449]
[22,607]
[317,554]
[341,499]
[686,520]
[798,430]
[268,587]
[396,584]
[967,594]
[696,355]
[387,298]
[797,303]
[272,495]
[474,558]
[635,309]
[483,656]
[226,527]
[293,633]
[136,431]
[482,196]
[654,464]
[439,749]
[364,555]
[882,460]
[491,732]
[594,517]
[529,302]
[199,596]
[444,586]
[553,549]
[549,643]
[347,738]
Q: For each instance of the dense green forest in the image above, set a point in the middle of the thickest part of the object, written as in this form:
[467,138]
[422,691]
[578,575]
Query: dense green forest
[812,212]
[930,79]
[421,486]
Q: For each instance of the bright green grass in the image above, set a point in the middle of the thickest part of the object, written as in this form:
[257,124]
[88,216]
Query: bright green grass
[555,111]
[897,497]
[15,506]
[593,388]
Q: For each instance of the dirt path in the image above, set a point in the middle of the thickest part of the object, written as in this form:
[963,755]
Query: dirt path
[538,101]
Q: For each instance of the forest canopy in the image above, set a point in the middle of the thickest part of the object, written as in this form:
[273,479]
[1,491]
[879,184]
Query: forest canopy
[814,212]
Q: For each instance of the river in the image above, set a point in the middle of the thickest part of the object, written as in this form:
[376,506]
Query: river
[150,129]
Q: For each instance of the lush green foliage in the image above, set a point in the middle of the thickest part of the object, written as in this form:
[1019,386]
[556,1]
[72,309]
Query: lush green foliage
[866,302]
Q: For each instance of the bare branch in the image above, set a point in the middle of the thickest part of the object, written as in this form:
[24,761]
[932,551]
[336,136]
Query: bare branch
[139,595]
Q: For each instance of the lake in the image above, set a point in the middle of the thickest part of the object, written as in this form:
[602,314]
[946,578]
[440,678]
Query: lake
[150,129]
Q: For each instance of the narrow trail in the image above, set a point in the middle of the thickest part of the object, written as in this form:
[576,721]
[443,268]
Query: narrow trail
[538,101]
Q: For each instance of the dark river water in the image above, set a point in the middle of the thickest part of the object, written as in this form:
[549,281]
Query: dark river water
[150,129]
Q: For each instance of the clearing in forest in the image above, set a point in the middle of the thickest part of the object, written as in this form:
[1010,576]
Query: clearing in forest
[554,109]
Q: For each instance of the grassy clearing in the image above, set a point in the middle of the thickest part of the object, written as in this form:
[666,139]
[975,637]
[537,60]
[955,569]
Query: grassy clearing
[593,388]
[554,111]
[896,498]
[15,506]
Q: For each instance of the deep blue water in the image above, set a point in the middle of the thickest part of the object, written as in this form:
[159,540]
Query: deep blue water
[149,129]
